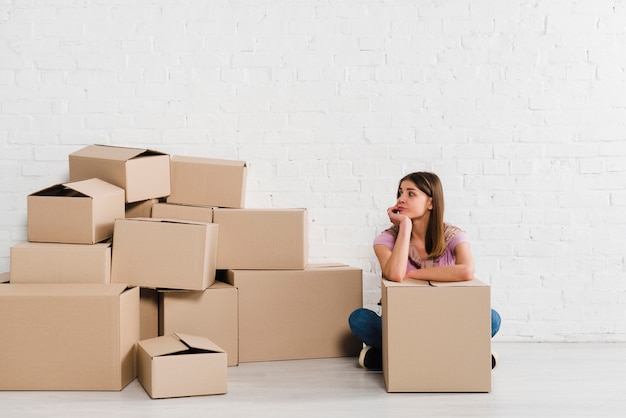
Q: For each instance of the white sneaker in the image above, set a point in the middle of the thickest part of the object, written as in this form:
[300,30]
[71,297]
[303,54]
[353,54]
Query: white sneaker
[370,358]
[494,360]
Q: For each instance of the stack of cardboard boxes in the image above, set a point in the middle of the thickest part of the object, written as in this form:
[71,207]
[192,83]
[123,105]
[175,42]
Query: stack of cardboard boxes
[121,266]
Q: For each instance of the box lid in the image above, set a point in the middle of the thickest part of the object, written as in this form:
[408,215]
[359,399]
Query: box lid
[83,188]
[432,283]
[110,152]
[93,187]
[178,343]
[58,289]
[468,283]
[59,245]
[169,221]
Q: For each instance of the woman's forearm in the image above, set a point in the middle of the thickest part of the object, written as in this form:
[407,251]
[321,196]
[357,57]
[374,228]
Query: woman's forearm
[453,273]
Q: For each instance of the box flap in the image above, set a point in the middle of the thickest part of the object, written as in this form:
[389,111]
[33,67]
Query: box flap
[178,343]
[199,343]
[110,152]
[469,283]
[211,161]
[162,346]
[57,289]
[59,190]
[93,187]
[406,283]
[5,277]
[168,220]
[65,246]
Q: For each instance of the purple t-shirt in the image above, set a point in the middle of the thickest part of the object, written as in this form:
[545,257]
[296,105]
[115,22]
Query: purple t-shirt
[446,259]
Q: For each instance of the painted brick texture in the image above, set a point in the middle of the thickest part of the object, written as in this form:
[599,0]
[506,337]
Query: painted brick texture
[519,106]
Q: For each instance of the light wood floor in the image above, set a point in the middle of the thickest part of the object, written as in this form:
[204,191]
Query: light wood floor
[533,380]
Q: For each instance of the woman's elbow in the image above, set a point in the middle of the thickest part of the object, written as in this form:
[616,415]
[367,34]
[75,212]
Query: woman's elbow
[393,277]
[467,273]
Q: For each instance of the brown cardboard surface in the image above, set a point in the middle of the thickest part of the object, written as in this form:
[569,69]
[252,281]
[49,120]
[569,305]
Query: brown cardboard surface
[5,277]
[297,314]
[81,212]
[68,336]
[208,182]
[148,313]
[262,238]
[159,253]
[183,212]
[142,173]
[211,313]
[178,365]
[141,209]
[38,262]
[436,336]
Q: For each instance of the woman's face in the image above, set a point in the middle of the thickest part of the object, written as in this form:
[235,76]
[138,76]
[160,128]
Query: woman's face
[413,202]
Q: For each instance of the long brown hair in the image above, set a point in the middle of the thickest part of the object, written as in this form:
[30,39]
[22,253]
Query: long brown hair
[430,184]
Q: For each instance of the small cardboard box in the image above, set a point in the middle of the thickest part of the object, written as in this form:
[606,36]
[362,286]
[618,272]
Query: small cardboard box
[161,253]
[81,212]
[436,336]
[148,313]
[183,212]
[211,313]
[141,209]
[297,314]
[68,336]
[178,365]
[258,239]
[208,182]
[42,262]
[142,173]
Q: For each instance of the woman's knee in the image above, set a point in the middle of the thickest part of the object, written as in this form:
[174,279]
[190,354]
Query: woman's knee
[495,322]
[358,317]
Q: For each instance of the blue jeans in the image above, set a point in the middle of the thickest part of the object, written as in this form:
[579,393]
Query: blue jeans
[368,326]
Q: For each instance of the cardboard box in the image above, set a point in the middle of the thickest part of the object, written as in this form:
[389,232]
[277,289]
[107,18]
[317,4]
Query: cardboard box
[142,173]
[436,336]
[68,336]
[41,262]
[183,212]
[141,209]
[81,212]
[208,182]
[259,239]
[211,313]
[160,253]
[181,365]
[148,313]
[5,277]
[297,314]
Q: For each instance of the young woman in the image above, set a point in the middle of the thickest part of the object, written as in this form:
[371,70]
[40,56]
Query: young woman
[419,245]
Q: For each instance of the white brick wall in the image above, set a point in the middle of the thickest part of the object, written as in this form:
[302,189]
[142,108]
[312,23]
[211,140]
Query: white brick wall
[519,106]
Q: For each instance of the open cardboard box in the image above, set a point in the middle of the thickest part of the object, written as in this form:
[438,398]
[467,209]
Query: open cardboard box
[142,173]
[436,336]
[179,364]
[80,212]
